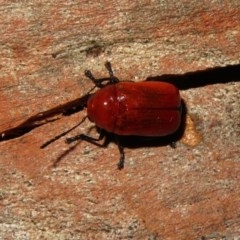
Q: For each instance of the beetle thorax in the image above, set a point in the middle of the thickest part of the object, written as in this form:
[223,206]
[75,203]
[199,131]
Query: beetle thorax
[102,108]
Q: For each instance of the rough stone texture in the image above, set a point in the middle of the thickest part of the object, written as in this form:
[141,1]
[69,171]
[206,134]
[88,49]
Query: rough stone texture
[191,192]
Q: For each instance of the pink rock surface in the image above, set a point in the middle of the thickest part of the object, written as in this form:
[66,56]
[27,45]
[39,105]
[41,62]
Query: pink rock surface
[191,192]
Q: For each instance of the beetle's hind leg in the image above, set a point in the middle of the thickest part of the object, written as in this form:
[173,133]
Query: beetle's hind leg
[120,164]
[173,144]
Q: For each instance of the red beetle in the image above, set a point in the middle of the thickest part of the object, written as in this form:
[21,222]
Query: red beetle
[149,109]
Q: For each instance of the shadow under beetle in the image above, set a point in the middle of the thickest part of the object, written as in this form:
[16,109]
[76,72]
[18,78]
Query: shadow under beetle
[147,109]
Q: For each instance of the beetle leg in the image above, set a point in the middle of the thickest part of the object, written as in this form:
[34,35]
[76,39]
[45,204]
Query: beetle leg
[86,138]
[120,164]
[94,141]
[173,144]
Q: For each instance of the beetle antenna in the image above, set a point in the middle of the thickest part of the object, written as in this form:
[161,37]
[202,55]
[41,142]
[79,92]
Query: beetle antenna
[113,79]
[99,82]
[89,74]
[96,82]
[108,66]
[62,134]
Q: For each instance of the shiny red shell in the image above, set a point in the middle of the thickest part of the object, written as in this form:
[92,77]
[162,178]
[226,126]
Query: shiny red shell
[142,109]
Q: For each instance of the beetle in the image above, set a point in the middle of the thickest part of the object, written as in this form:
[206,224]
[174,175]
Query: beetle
[125,108]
